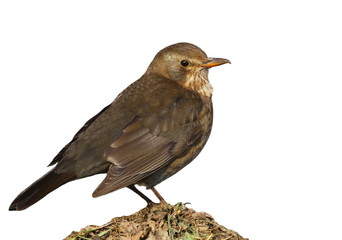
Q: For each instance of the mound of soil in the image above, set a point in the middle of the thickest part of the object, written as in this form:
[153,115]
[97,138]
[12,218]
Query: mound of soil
[159,222]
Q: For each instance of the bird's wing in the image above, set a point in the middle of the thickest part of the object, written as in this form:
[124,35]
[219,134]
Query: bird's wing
[154,138]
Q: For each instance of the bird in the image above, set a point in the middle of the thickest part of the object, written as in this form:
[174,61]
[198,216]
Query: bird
[152,129]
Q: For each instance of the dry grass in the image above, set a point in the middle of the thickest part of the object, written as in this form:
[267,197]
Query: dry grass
[159,222]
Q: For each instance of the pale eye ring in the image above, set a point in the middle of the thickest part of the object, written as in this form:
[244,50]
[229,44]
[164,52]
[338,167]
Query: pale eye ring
[184,63]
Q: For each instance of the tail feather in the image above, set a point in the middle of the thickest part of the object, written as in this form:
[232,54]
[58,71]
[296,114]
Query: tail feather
[40,188]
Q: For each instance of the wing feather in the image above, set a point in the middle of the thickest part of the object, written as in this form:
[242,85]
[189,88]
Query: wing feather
[135,159]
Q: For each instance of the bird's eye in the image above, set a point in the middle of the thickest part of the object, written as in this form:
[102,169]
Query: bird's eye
[184,63]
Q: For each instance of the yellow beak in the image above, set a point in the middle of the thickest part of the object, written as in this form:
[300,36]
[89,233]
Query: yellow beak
[213,62]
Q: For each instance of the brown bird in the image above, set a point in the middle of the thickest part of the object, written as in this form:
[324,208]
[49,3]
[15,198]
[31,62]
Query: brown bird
[153,129]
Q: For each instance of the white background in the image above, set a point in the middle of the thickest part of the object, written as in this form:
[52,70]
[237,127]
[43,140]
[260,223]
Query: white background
[271,169]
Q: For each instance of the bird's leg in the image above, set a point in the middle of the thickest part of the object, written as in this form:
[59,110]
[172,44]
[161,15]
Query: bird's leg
[161,199]
[134,189]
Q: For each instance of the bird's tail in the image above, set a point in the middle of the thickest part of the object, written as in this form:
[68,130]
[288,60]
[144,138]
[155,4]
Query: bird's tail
[40,188]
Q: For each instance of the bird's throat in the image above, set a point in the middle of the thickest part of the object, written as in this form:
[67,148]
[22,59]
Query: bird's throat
[199,82]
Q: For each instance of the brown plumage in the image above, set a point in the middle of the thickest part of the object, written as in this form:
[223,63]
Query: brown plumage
[154,128]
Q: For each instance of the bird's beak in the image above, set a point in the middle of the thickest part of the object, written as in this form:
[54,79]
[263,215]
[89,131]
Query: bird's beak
[213,62]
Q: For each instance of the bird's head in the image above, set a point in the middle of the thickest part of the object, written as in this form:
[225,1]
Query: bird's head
[187,64]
